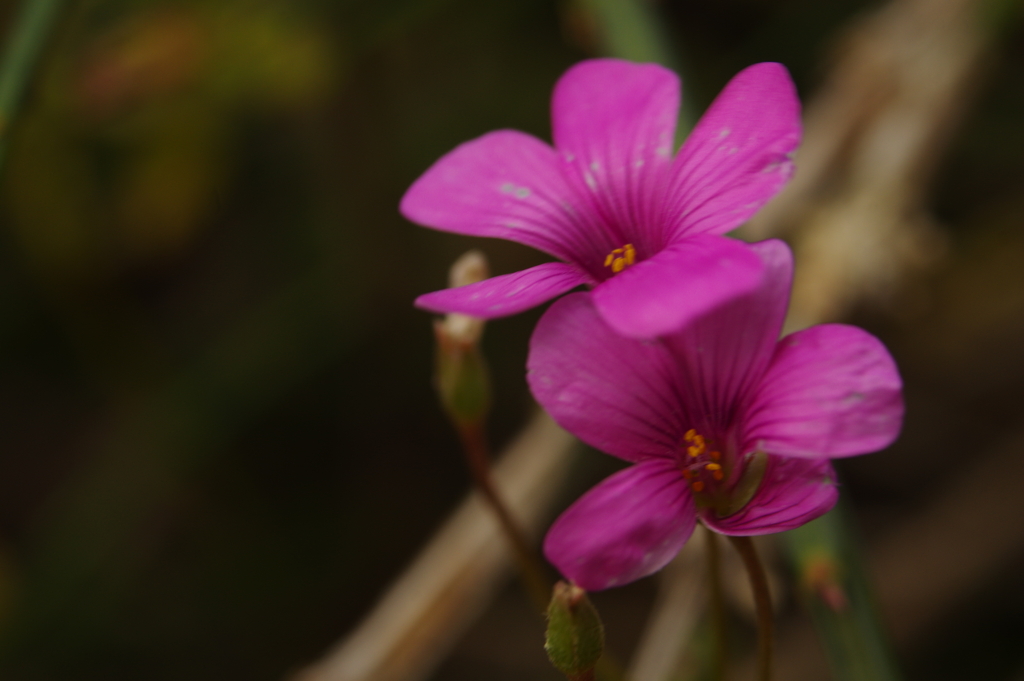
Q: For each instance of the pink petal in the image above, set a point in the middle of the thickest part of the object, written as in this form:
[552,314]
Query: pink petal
[627,527]
[660,295]
[723,354]
[793,492]
[739,155]
[616,394]
[830,391]
[505,184]
[506,294]
[613,122]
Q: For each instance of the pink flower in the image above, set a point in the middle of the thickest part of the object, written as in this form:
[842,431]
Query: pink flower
[721,421]
[625,218]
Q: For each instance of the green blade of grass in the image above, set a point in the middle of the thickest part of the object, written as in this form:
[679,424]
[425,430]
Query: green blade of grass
[29,34]
[830,568]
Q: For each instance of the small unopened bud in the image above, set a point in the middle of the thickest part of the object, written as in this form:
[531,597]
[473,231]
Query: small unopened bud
[470,268]
[463,382]
[575,636]
[822,575]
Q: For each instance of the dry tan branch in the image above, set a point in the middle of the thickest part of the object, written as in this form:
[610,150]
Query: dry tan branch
[682,597]
[451,581]
[855,211]
[855,215]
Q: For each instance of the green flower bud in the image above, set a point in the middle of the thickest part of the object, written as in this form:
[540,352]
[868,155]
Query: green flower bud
[462,379]
[575,636]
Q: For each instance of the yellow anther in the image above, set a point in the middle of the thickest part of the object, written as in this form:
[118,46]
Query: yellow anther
[698,486]
[698,440]
[716,470]
[690,434]
[620,258]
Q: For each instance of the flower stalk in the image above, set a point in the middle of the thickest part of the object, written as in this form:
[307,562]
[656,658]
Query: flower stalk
[721,644]
[762,602]
[478,459]
[463,385]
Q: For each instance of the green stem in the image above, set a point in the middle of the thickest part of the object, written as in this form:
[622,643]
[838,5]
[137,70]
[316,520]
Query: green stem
[538,587]
[838,593]
[721,644]
[762,601]
[31,29]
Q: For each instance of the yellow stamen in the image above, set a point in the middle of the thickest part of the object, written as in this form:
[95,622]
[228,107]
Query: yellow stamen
[716,470]
[620,258]
[690,434]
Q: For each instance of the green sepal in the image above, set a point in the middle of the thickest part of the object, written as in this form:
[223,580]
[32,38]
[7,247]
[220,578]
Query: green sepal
[575,635]
[462,379]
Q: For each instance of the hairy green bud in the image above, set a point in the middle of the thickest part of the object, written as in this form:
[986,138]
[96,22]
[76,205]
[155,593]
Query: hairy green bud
[575,635]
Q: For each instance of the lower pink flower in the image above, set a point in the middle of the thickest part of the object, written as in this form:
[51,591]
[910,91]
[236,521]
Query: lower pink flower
[722,421]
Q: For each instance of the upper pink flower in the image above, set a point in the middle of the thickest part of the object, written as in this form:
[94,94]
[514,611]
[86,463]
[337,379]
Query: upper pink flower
[609,200]
[721,420]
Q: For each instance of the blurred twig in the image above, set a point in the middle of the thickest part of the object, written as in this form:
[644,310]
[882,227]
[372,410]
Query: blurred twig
[29,34]
[856,214]
[447,586]
[855,210]
[450,582]
[679,607]
[856,218]
[874,132]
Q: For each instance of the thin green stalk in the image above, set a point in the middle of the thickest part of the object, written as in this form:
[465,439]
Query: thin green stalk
[721,643]
[762,601]
[537,585]
[29,34]
[836,590]
[633,29]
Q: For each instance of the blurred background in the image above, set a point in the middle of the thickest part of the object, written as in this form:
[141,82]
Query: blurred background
[218,438]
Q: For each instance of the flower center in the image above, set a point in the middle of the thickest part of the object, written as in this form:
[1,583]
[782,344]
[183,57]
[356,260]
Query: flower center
[701,462]
[724,484]
[620,258]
